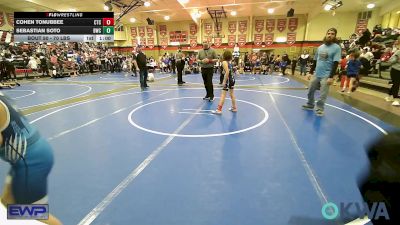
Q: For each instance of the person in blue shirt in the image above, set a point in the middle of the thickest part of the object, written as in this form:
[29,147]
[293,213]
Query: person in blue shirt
[353,68]
[326,61]
[30,156]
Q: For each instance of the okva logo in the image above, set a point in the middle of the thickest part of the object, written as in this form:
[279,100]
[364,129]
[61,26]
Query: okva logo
[331,211]
[28,212]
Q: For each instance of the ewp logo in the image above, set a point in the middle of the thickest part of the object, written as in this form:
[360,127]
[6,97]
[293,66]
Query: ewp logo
[330,211]
[28,212]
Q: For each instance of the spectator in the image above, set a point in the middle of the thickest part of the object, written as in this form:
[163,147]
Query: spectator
[326,61]
[294,64]
[353,67]
[303,60]
[394,61]
[32,64]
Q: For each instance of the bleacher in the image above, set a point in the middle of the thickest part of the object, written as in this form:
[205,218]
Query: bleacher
[375,83]
[378,81]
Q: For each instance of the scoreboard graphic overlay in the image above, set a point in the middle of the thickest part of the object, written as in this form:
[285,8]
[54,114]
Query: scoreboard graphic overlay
[64,26]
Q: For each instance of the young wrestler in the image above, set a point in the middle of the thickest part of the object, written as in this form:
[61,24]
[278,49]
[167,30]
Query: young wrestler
[30,157]
[353,67]
[227,84]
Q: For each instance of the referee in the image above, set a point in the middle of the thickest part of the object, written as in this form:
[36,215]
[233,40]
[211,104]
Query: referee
[206,58]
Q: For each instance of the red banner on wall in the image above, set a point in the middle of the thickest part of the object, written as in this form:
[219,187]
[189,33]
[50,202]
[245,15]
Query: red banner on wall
[142,32]
[209,39]
[163,30]
[270,25]
[133,32]
[193,41]
[143,41]
[293,22]
[184,37]
[361,25]
[269,39]
[2,21]
[258,39]
[193,29]
[243,26]
[291,38]
[281,25]
[259,25]
[241,39]
[178,36]
[134,42]
[150,43]
[208,28]
[10,19]
[217,42]
[231,40]
[149,31]
[219,28]
[164,42]
[232,26]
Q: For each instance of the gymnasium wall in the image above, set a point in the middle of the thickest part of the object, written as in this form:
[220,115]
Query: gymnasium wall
[5,17]
[344,22]
[390,15]
[391,19]
[251,32]
[206,29]
[241,30]
[299,32]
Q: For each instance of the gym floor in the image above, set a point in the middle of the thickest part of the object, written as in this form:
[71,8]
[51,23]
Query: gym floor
[159,156]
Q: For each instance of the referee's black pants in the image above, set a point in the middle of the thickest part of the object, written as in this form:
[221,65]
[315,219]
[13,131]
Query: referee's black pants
[207,74]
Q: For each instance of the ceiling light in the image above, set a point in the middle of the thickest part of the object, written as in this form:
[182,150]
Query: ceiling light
[332,4]
[270,11]
[398,12]
[166,17]
[371,5]
[147,4]
[233,13]
[132,20]
[328,7]
[184,1]
[108,6]
[280,39]
[72,10]
[196,14]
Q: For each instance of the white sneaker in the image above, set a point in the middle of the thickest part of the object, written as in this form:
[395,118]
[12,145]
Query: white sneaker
[389,99]
[396,103]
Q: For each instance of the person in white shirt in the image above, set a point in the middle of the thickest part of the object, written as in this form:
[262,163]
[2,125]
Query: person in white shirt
[365,57]
[236,54]
[394,61]
[303,61]
[32,64]
[366,53]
